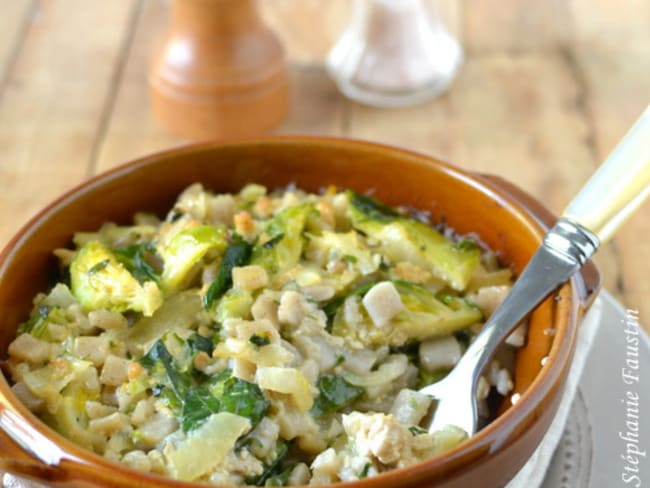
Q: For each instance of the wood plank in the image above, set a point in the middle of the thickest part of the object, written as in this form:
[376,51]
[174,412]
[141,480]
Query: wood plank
[426,127]
[53,100]
[614,26]
[611,45]
[13,22]
[131,129]
[316,106]
[516,25]
[618,87]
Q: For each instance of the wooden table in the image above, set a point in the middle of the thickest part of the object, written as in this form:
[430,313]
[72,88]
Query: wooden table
[547,89]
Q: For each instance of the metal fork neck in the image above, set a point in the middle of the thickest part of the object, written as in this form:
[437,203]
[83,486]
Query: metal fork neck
[566,248]
[573,242]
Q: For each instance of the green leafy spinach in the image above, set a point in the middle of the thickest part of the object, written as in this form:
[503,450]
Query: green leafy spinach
[138,259]
[194,397]
[243,398]
[237,253]
[335,394]
[198,405]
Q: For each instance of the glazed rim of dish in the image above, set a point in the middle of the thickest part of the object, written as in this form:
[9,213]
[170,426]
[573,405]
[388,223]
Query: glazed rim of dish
[66,456]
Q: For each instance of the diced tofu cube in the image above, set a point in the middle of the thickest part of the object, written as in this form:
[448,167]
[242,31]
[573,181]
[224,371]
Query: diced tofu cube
[489,298]
[142,411]
[291,310]
[110,424]
[91,348]
[95,410]
[115,371]
[266,307]
[410,406]
[106,320]
[156,428]
[28,348]
[438,354]
[249,277]
[383,302]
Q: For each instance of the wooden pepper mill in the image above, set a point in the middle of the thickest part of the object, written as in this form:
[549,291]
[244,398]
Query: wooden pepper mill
[220,72]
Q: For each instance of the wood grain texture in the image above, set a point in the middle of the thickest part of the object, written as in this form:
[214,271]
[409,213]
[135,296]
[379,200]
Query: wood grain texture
[53,101]
[611,49]
[316,106]
[516,25]
[618,26]
[547,89]
[13,24]
[131,129]
[614,83]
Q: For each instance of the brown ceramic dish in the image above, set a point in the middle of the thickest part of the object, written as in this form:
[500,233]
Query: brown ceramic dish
[504,217]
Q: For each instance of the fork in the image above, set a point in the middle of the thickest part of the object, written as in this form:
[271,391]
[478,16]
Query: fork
[613,192]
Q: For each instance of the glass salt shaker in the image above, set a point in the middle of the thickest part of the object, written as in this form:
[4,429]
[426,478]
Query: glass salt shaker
[393,53]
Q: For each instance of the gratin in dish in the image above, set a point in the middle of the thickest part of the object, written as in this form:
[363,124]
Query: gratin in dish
[263,338]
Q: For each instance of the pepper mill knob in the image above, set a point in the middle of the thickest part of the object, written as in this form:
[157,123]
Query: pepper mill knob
[220,72]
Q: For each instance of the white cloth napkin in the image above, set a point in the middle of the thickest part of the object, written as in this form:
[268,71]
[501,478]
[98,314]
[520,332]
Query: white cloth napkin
[533,473]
